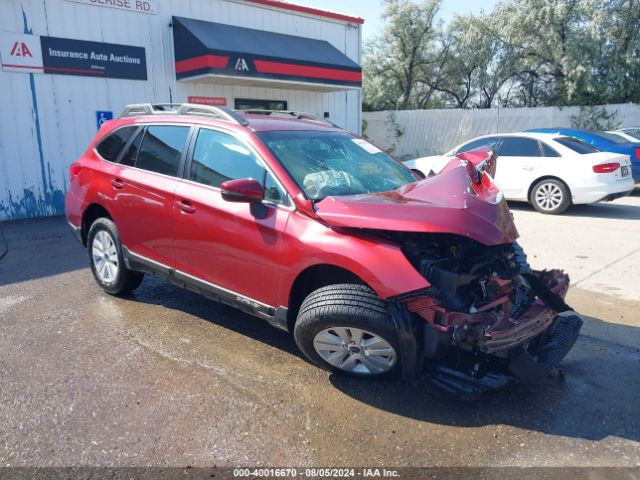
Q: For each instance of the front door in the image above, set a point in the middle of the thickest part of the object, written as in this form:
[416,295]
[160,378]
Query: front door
[519,158]
[236,246]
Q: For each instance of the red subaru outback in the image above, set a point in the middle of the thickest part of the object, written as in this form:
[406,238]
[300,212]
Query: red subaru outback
[375,271]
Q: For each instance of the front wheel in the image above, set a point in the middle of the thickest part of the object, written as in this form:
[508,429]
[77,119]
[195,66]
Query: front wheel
[347,329]
[107,261]
[550,196]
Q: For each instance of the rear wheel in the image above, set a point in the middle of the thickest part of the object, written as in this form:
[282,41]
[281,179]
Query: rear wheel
[106,260]
[550,196]
[347,329]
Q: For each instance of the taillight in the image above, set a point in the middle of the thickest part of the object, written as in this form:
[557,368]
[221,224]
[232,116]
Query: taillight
[606,167]
[637,153]
[74,170]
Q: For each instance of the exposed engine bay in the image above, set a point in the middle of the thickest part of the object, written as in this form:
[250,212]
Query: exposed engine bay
[486,309]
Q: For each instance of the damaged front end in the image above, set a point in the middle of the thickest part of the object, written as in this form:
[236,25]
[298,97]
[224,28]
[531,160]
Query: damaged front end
[486,318]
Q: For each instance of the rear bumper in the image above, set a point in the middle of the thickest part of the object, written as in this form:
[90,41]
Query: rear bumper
[602,192]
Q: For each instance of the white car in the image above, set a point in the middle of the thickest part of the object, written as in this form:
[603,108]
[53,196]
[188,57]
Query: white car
[548,170]
[628,136]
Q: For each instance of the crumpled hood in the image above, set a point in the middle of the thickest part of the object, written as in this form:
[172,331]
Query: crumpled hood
[445,203]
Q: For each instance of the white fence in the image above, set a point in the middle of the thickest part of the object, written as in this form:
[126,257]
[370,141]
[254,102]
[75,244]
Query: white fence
[431,132]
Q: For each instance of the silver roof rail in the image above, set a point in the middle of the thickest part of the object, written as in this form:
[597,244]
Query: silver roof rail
[143,109]
[291,113]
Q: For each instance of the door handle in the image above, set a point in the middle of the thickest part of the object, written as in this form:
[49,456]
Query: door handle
[185,206]
[117,183]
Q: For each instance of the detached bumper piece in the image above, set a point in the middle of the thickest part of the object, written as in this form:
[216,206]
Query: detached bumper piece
[528,366]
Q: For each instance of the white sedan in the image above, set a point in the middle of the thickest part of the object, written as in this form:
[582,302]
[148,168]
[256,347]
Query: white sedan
[548,170]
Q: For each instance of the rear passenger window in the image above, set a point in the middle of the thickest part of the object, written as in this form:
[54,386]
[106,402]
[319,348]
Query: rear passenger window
[547,151]
[131,154]
[519,147]
[219,157]
[110,147]
[162,148]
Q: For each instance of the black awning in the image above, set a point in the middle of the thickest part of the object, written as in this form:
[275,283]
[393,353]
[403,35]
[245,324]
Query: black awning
[214,49]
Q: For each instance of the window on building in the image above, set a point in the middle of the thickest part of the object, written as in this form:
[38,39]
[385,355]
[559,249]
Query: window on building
[257,104]
[110,147]
[162,148]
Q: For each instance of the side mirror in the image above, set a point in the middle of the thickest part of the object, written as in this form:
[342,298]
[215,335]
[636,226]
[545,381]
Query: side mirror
[245,190]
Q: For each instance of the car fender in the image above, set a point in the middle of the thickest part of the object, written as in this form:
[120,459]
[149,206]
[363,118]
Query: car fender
[380,264]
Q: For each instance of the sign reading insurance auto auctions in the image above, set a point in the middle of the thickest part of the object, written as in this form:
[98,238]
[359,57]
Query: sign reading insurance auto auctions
[63,56]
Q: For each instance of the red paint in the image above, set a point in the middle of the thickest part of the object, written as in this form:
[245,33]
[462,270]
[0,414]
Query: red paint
[444,203]
[309,10]
[264,66]
[242,190]
[203,61]
[213,101]
[261,258]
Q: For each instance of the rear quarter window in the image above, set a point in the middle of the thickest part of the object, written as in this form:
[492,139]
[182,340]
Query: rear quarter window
[110,146]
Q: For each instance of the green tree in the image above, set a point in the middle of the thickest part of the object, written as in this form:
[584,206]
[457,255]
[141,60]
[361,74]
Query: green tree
[397,64]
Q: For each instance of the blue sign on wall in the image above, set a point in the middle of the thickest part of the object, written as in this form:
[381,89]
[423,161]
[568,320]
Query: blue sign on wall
[102,117]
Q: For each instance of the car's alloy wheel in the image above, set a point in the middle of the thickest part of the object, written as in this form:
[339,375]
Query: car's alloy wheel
[106,259]
[355,350]
[550,196]
[346,328]
[105,256]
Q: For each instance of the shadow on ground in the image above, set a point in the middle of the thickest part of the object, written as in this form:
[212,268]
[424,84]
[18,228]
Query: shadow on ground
[39,248]
[597,398]
[596,210]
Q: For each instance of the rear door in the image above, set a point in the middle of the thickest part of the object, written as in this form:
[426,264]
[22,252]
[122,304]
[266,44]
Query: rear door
[519,160]
[144,185]
[234,246]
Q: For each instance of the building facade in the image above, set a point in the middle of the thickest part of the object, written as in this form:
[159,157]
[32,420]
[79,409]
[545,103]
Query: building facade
[69,65]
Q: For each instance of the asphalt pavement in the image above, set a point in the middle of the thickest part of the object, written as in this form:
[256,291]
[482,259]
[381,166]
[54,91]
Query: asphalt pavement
[167,378]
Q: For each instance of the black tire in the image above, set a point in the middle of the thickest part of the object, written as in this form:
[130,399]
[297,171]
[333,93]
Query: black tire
[344,306]
[125,280]
[558,202]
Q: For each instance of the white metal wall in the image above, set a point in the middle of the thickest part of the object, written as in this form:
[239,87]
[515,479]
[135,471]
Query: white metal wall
[46,121]
[433,132]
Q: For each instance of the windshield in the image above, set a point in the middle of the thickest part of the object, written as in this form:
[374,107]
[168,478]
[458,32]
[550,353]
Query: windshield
[335,163]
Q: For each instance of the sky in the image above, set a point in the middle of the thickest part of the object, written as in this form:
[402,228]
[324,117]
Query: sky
[371,10]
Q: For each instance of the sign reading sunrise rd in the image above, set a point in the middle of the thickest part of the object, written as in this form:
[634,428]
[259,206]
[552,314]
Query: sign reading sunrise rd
[63,56]
[138,6]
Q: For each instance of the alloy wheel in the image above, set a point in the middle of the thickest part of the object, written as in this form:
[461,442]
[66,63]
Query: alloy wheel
[354,350]
[104,256]
[548,196]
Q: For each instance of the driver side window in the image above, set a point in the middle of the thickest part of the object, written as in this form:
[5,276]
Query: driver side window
[218,157]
